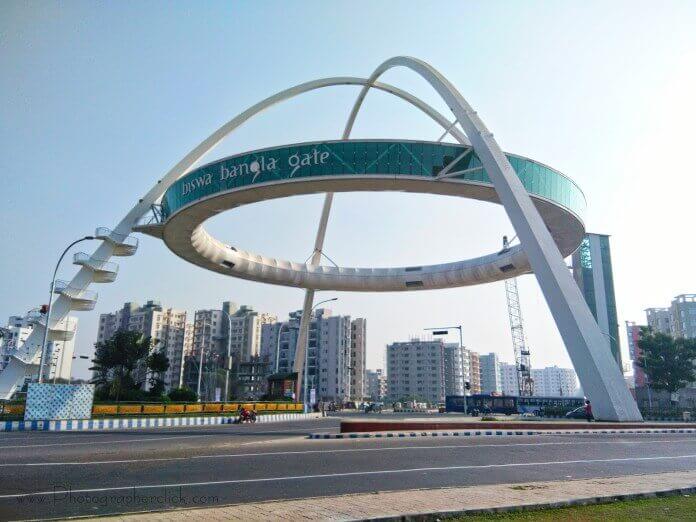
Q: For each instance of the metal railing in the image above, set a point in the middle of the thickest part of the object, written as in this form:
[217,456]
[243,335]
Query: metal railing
[188,408]
[64,287]
[82,258]
[120,239]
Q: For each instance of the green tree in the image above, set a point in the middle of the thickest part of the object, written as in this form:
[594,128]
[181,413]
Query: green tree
[668,362]
[157,364]
[115,361]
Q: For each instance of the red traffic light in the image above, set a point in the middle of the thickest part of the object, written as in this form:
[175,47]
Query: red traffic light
[43,309]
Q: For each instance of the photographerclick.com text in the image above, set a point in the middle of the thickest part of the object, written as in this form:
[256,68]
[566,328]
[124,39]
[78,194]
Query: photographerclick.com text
[131,498]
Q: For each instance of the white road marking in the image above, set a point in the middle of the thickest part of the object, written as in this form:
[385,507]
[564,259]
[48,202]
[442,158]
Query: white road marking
[82,443]
[346,474]
[156,437]
[351,450]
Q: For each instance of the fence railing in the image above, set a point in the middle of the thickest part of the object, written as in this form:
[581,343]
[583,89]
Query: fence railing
[173,408]
[177,408]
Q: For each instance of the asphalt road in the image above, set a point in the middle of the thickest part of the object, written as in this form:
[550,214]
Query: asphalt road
[53,475]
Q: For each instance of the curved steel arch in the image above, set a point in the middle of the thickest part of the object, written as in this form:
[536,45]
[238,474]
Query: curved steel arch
[22,365]
[600,376]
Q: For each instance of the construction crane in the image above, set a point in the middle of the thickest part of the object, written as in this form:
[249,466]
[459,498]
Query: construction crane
[525,383]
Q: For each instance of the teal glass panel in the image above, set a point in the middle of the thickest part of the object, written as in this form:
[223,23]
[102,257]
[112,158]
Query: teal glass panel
[379,157]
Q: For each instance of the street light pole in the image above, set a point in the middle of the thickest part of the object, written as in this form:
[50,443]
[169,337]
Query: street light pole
[446,329]
[49,307]
[277,354]
[306,361]
[229,355]
[200,362]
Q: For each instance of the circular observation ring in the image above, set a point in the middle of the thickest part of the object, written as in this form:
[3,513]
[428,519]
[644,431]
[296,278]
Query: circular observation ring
[358,165]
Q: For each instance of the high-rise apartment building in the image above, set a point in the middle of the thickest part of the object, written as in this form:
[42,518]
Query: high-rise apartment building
[416,371]
[165,326]
[679,320]
[376,384]
[508,379]
[553,381]
[475,372]
[456,369]
[246,332]
[329,348]
[59,353]
[684,316]
[660,320]
[188,339]
[212,333]
[358,344]
[490,373]
[592,271]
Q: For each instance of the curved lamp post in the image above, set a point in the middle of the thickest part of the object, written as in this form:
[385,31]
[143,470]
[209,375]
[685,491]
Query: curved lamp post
[50,298]
[229,356]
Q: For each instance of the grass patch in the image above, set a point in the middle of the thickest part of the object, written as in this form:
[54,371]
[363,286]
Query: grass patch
[671,508]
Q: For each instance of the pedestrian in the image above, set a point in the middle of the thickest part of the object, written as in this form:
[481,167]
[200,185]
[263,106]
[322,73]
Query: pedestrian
[588,411]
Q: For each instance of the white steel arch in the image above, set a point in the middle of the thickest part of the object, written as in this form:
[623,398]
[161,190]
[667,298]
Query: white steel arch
[600,376]
[97,268]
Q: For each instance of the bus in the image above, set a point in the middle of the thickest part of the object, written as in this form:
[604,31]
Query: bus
[511,405]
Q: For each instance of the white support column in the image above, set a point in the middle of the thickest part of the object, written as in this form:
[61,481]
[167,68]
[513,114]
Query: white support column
[306,318]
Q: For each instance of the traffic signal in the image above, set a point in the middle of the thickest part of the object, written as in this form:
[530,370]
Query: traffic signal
[467,385]
[43,309]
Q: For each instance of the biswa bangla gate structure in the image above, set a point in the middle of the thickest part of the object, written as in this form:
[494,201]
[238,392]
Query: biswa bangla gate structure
[544,206]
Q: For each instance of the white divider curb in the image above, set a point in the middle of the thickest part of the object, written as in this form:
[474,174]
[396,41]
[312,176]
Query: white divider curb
[143,422]
[493,433]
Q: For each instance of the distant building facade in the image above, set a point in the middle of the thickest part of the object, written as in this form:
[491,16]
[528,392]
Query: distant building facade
[508,379]
[490,373]
[376,383]
[166,326]
[330,368]
[456,369]
[553,381]
[234,328]
[358,345]
[660,320]
[592,270]
[475,372]
[684,316]
[416,371]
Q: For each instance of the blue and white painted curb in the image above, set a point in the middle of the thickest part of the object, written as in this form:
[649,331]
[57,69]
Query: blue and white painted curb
[492,433]
[142,422]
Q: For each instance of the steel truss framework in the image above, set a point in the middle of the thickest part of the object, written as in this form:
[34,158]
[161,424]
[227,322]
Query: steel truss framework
[600,376]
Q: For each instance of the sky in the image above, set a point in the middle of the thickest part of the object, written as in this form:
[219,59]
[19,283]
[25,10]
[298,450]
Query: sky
[99,99]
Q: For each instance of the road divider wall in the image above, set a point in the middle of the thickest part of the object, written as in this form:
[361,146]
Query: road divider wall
[492,433]
[144,422]
[189,408]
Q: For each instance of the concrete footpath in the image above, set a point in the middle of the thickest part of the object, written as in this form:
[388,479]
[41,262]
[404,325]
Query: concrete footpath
[424,504]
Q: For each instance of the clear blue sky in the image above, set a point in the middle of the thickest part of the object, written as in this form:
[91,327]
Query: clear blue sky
[99,99]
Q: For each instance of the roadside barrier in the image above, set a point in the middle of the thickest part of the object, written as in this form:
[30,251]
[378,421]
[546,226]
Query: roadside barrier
[126,409]
[180,408]
[143,422]
[491,433]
